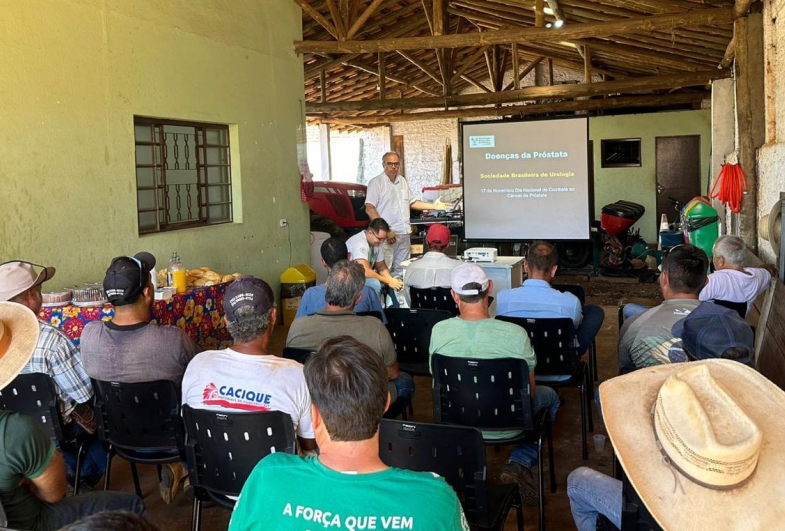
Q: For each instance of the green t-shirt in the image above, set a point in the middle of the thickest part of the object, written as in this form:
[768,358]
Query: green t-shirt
[485,339]
[25,452]
[288,492]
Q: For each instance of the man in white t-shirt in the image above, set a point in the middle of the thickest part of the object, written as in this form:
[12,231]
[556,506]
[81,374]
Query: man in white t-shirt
[365,248]
[389,196]
[433,269]
[246,377]
[731,281]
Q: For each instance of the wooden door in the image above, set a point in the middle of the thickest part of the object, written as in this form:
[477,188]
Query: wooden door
[678,172]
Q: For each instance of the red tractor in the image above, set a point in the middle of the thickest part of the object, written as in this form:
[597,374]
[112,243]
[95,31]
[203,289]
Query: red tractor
[338,208]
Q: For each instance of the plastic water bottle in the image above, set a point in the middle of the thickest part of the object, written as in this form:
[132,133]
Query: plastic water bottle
[176,274]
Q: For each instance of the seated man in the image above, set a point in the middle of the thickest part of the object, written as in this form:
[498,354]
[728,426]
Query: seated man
[712,331]
[366,248]
[334,249]
[434,267]
[59,359]
[347,486]
[689,437]
[537,299]
[32,470]
[646,337]
[731,281]
[129,349]
[474,334]
[342,291]
[268,382]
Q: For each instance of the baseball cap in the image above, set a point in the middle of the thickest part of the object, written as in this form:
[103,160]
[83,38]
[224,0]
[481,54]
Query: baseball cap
[127,276]
[468,274]
[438,234]
[247,291]
[711,329]
[17,276]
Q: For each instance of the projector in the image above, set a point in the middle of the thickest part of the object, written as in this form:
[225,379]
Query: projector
[480,254]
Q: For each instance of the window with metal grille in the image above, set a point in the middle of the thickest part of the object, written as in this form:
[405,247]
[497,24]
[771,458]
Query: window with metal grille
[183,174]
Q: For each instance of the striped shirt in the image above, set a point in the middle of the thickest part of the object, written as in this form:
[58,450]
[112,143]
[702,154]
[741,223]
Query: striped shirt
[58,358]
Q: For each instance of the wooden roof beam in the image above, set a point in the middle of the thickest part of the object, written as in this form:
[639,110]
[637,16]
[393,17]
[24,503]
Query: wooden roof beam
[370,10]
[515,110]
[318,17]
[421,65]
[628,85]
[575,31]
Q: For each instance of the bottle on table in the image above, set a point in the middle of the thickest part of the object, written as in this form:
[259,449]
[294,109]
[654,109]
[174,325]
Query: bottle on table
[176,274]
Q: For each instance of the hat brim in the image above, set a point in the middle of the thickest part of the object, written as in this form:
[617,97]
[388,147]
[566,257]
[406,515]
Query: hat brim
[626,407]
[22,325]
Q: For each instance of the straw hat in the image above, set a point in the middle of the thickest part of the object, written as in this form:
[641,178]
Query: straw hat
[18,337]
[702,443]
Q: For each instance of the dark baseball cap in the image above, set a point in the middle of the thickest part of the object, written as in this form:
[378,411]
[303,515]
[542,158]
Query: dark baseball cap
[127,276]
[247,291]
[710,329]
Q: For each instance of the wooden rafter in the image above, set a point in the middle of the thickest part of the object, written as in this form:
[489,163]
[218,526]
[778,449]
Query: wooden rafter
[567,32]
[318,17]
[363,18]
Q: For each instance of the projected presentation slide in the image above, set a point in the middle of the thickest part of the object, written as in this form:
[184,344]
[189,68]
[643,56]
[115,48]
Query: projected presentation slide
[526,180]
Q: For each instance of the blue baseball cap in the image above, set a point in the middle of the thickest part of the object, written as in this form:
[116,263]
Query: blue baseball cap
[710,329]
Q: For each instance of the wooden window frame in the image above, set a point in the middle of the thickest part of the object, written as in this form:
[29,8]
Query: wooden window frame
[202,168]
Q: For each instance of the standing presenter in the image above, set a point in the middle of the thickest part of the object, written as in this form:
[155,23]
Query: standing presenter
[390,197]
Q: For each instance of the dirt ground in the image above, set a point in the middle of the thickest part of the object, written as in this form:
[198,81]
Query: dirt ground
[608,291]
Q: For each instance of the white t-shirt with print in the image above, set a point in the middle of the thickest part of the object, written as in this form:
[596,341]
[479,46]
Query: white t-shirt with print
[232,381]
[360,249]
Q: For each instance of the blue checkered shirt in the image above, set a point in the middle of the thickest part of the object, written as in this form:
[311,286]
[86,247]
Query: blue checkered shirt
[57,357]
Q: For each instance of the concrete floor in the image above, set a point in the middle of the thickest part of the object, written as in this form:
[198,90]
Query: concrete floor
[567,450]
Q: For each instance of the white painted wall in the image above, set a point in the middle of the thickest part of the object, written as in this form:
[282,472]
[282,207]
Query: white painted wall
[771,156]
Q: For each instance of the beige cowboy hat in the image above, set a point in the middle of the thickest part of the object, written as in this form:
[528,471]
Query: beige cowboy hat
[18,276]
[702,443]
[18,338]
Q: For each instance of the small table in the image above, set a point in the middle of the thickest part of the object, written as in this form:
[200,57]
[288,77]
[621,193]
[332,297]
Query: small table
[199,313]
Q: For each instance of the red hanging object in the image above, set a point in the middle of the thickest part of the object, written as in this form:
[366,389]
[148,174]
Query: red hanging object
[730,184]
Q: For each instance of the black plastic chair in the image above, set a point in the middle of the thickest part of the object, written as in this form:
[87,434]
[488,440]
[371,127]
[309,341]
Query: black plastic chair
[739,307]
[297,354]
[492,395]
[34,395]
[580,293]
[457,453]
[436,298]
[553,341]
[223,448]
[141,423]
[410,330]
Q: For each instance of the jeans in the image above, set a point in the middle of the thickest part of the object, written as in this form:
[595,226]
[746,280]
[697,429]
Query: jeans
[376,286]
[631,309]
[56,515]
[404,385]
[591,494]
[593,317]
[544,398]
[94,461]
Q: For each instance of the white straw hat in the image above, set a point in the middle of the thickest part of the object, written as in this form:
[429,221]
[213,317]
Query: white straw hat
[18,338]
[702,443]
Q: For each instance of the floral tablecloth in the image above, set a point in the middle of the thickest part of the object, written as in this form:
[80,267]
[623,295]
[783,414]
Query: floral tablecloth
[198,312]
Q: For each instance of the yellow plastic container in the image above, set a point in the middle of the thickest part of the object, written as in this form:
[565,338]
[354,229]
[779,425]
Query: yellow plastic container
[294,282]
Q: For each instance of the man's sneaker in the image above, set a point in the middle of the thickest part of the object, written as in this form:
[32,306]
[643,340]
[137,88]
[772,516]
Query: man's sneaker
[527,484]
[172,475]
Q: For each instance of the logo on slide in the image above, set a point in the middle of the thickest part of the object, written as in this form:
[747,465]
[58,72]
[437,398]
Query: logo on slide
[482,141]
